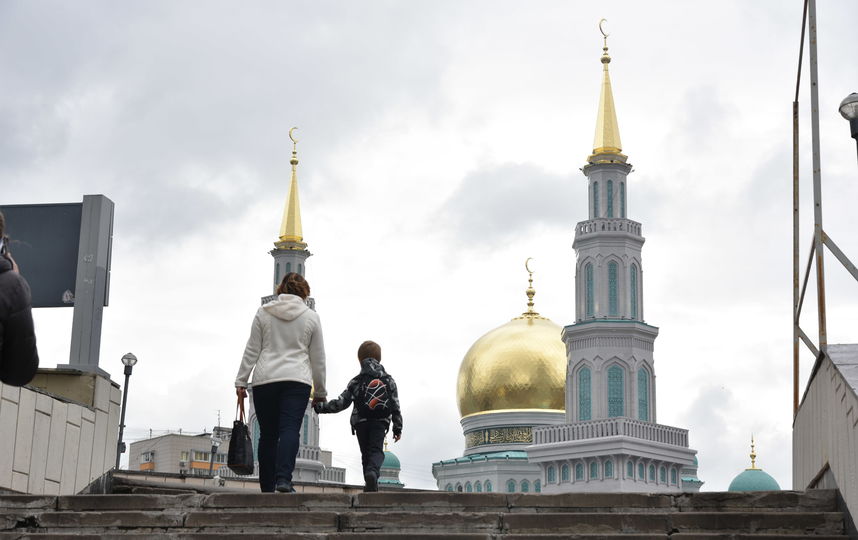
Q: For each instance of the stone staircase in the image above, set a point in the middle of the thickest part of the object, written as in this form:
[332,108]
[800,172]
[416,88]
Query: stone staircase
[426,515]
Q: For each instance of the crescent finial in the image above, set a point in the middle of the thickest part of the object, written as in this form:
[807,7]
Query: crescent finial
[527,265]
[291,136]
[602,30]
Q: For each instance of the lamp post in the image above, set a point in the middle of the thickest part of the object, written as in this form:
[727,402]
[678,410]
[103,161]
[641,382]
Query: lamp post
[128,360]
[215,443]
[849,111]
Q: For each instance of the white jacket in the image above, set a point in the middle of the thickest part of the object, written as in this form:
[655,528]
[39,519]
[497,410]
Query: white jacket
[285,344]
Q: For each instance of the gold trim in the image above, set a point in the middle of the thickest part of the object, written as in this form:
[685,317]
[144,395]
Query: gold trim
[496,411]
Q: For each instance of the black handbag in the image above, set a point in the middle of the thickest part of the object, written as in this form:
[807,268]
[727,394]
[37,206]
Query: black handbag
[240,456]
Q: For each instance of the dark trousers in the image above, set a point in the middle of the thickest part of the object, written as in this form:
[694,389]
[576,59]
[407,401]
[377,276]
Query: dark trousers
[280,410]
[370,436]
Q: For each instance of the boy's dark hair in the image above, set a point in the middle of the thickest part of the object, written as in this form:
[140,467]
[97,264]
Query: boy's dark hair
[369,349]
[294,283]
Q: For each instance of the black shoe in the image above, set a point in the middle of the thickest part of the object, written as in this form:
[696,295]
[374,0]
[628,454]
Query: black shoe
[370,481]
[284,487]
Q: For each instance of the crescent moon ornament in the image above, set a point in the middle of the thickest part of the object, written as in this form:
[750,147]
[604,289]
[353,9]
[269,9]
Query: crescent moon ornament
[602,30]
[291,136]
[527,265]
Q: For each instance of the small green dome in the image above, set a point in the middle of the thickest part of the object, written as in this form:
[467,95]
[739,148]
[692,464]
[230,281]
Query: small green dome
[754,480]
[390,461]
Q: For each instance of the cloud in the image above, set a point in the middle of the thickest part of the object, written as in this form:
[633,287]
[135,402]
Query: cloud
[494,204]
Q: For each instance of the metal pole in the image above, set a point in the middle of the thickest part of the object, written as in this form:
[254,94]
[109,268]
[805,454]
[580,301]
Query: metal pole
[817,180]
[120,446]
[795,258]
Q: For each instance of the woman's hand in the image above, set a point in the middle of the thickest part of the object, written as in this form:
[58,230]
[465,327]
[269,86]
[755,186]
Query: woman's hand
[241,392]
[319,400]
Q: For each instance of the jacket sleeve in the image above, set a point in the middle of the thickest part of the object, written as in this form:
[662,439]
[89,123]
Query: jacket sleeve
[20,359]
[317,361]
[396,412]
[251,353]
[339,404]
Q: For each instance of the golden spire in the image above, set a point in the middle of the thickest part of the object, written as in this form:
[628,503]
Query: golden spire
[531,292]
[606,143]
[753,456]
[385,445]
[290,229]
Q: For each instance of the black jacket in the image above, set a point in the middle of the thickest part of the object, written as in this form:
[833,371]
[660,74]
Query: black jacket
[18,356]
[369,366]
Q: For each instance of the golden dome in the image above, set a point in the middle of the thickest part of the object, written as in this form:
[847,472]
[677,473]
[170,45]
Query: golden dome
[520,365]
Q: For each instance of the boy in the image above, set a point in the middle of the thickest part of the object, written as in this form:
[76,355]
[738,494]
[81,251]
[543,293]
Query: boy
[376,404]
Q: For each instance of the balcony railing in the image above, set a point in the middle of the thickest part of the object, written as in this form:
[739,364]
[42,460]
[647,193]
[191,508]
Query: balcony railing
[593,226]
[611,427]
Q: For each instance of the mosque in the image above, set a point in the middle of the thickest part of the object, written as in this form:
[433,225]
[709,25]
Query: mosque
[547,409]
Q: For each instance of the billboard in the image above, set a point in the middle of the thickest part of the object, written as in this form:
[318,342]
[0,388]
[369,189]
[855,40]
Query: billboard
[44,240]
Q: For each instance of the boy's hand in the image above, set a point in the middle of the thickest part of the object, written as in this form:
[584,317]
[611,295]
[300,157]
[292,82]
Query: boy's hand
[396,437]
[317,406]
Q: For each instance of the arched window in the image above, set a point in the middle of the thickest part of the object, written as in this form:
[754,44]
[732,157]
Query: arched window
[525,486]
[630,469]
[306,430]
[468,487]
[609,469]
[277,273]
[584,408]
[449,487]
[579,471]
[301,269]
[643,394]
[633,291]
[662,474]
[589,296]
[510,486]
[673,476]
[478,487]
[616,391]
[459,488]
[610,198]
[537,486]
[652,473]
[594,470]
[488,486]
[622,199]
[288,267]
[552,474]
[564,473]
[613,296]
[641,475]
[595,199]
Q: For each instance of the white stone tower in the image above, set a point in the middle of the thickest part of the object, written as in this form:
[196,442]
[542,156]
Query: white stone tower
[610,441]
[290,253]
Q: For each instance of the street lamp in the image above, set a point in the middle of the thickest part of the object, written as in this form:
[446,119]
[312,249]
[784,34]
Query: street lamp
[849,111]
[128,360]
[215,443]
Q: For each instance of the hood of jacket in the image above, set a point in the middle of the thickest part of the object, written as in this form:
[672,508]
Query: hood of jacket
[5,264]
[287,307]
[371,366]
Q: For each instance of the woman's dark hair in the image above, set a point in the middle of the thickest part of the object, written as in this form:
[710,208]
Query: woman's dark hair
[294,283]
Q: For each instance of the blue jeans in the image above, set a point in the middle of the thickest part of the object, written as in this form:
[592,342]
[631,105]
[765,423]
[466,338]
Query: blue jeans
[280,410]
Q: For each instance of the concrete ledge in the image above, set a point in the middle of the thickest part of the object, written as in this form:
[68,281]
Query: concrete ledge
[295,521]
[30,502]
[292,501]
[416,521]
[587,502]
[465,502]
[109,519]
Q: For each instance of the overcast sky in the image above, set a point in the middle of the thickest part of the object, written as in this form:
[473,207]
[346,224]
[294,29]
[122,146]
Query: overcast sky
[440,147]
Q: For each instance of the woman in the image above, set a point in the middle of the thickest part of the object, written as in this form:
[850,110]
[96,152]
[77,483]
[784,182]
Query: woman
[286,354]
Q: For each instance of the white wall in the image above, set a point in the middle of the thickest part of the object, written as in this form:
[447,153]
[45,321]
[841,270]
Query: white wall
[54,446]
[825,433]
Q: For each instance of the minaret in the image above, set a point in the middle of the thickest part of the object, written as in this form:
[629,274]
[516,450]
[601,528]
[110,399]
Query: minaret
[290,251]
[609,348]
